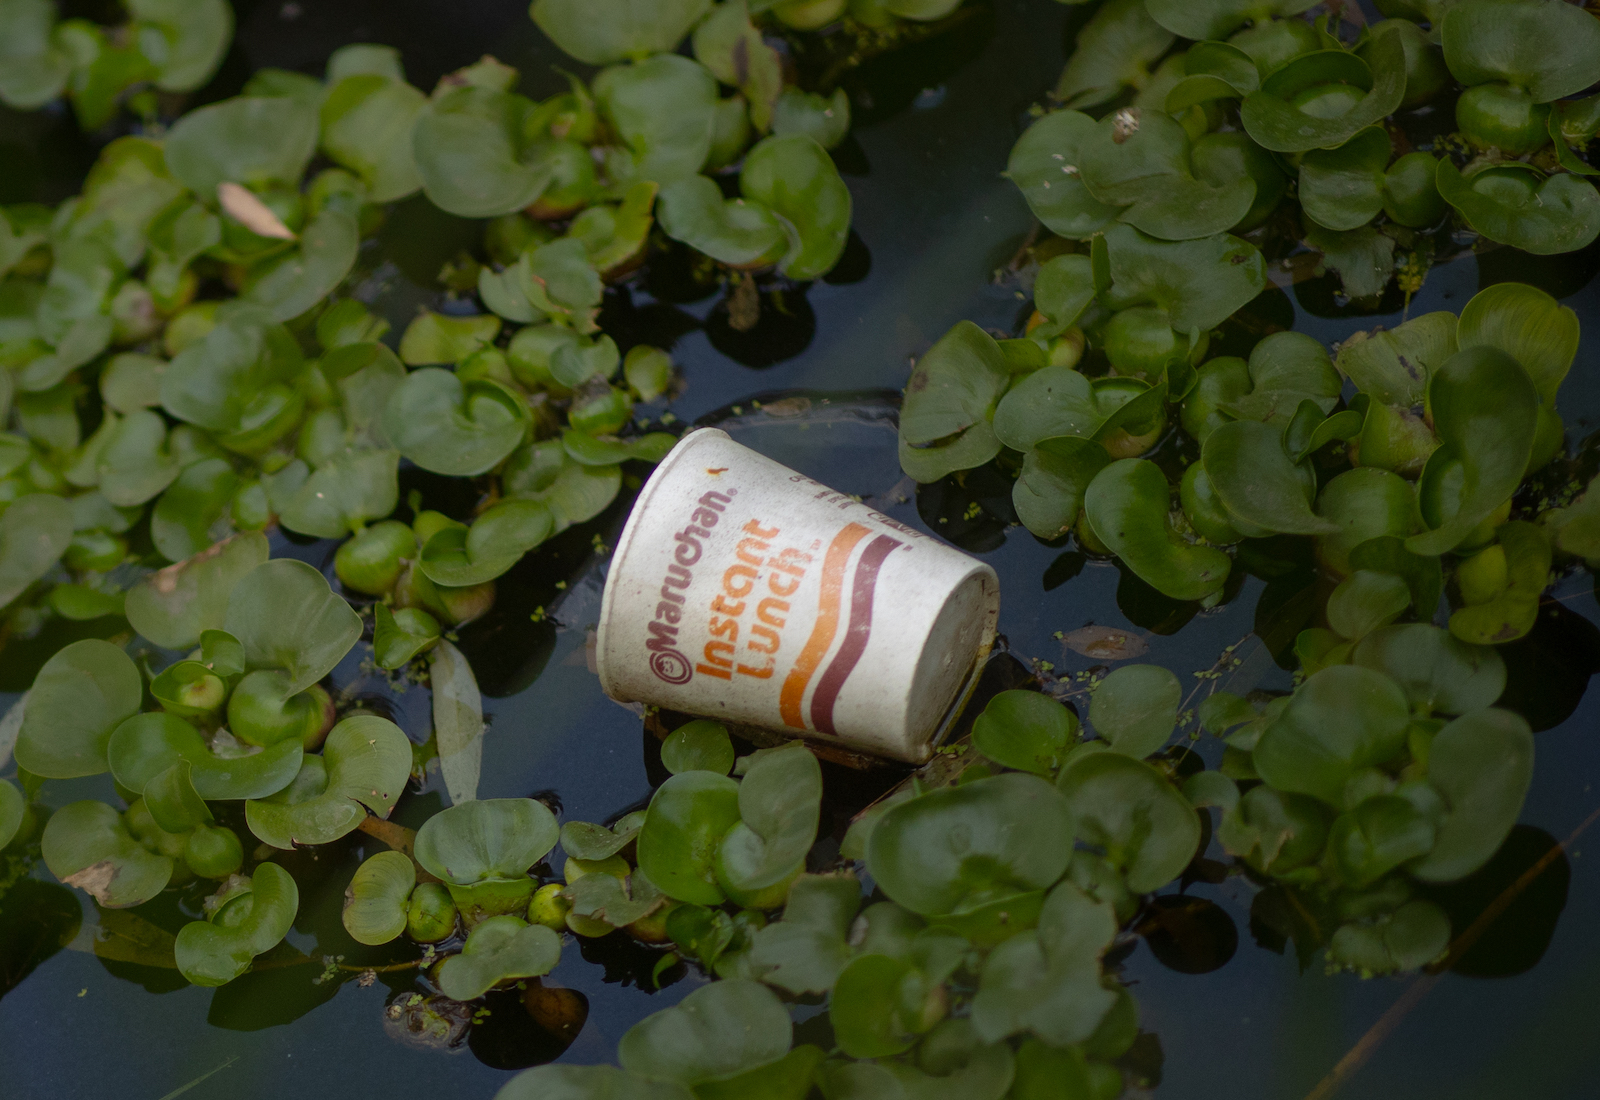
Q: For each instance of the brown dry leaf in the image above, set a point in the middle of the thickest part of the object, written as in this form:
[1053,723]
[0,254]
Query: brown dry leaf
[94,880]
[1105,643]
[249,211]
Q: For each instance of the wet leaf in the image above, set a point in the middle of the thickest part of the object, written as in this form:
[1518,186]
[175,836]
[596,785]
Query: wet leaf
[35,69]
[459,555]
[1343,188]
[795,178]
[1411,937]
[1044,164]
[1114,50]
[1518,205]
[13,806]
[344,494]
[806,950]
[1146,827]
[1216,19]
[1549,49]
[1258,480]
[364,765]
[400,635]
[457,721]
[434,338]
[824,119]
[1135,708]
[1128,504]
[1528,325]
[375,900]
[1271,117]
[493,838]
[450,428]
[1510,613]
[469,148]
[174,606]
[1198,283]
[1365,601]
[604,31]
[717,1032]
[35,531]
[1025,730]
[730,231]
[1048,496]
[246,140]
[663,108]
[292,285]
[1342,720]
[146,745]
[1394,366]
[702,745]
[367,121]
[498,949]
[80,696]
[286,617]
[212,953]
[1377,836]
[185,41]
[88,845]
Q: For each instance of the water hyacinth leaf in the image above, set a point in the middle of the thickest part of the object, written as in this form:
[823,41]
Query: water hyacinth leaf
[192,508]
[491,838]
[954,386]
[185,41]
[588,841]
[469,150]
[452,428]
[496,541]
[1414,935]
[730,231]
[174,606]
[618,902]
[1552,50]
[1485,410]
[33,69]
[1051,402]
[806,950]
[343,495]
[1259,482]
[1056,473]
[795,178]
[286,617]
[367,121]
[1482,764]
[1394,365]
[1044,164]
[212,954]
[780,803]
[728,45]
[825,119]
[35,531]
[1517,205]
[1127,505]
[1216,19]
[616,30]
[1342,720]
[1286,369]
[135,464]
[1064,288]
[689,815]
[13,807]
[701,745]
[1114,50]
[663,108]
[1276,123]
[1025,730]
[433,338]
[457,721]
[364,765]
[1528,325]
[499,949]
[245,140]
[224,380]
[77,700]
[1365,601]
[1135,708]
[1343,188]
[1377,836]
[375,900]
[172,800]
[87,844]
[146,745]
[295,283]
[1525,550]
[1439,673]
[398,636]
[1048,981]
[868,1009]
[1199,283]
[717,1032]
[982,840]
[1145,825]
[565,1082]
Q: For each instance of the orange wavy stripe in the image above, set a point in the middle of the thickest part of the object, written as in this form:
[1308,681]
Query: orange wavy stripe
[816,647]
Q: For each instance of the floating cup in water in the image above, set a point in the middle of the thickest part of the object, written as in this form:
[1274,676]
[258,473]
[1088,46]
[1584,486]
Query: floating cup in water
[743,591]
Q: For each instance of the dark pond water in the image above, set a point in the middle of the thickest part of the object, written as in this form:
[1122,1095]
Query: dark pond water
[935,222]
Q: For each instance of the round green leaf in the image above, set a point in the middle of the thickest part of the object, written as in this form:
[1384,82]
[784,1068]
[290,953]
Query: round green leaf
[1049,403]
[174,606]
[1202,19]
[366,127]
[795,178]
[173,802]
[1377,836]
[1340,721]
[1044,164]
[1258,480]
[434,338]
[1127,505]
[1552,50]
[33,69]
[345,493]
[469,149]
[78,699]
[1343,188]
[135,464]
[689,815]
[598,32]
[364,765]
[244,140]
[1275,123]
[563,1082]
[1482,764]
[375,900]
[1055,475]
[400,635]
[302,277]
[286,617]
[34,532]
[954,386]
[1528,325]
[730,231]
[960,846]
[663,108]
[1365,601]
[146,745]
[450,428]
[191,507]
[1439,673]
[867,1007]
[1114,50]
[826,119]
[12,808]
[1517,205]
[1199,283]
[496,541]
[232,379]
[1025,730]
[1146,827]
[499,949]
[780,803]
[1513,610]
[1411,937]
[88,845]
[1394,365]
[493,838]
[1135,708]
[213,954]
[184,39]
[701,745]
[717,1032]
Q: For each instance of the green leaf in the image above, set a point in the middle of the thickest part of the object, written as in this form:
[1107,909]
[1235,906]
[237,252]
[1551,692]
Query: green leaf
[135,463]
[1377,836]
[497,539]
[1552,50]
[1365,601]
[689,815]
[375,901]
[1135,708]
[730,231]
[1275,122]
[364,765]
[1146,827]
[598,32]
[726,43]
[1411,937]
[344,494]
[499,949]
[701,745]
[1364,258]
[1044,164]
[1439,673]
[1342,720]
[448,427]
[174,606]
[1199,283]
[302,277]
[1394,365]
[79,697]
[663,109]
[146,745]
[954,385]
[1510,614]
[87,844]
[434,338]
[1517,205]
[960,846]
[173,801]
[869,1007]
[1127,505]
[1048,496]
[400,635]
[796,179]
[1528,325]
[1343,188]
[184,39]
[457,721]
[14,806]
[33,69]
[35,531]
[1050,403]
[1482,764]
[1025,730]
[367,121]
[214,953]
[192,507]
[805,951]
[286,617]
[470,150]
[780,803]
[565,1082]
[234,378]
[494,838]
[1485,411]
[588,841]
[1365,503]
[717,1032]
[1275,832]
[1201,19]
[245,140]
[1114,50]
[1259,481]
[824,119]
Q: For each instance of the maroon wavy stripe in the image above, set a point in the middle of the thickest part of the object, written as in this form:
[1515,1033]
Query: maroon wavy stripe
[856,635]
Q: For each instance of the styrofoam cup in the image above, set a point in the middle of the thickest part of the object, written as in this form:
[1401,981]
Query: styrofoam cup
[743,591]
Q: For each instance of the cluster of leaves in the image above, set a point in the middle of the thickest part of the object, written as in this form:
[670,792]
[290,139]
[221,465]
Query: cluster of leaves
[1415,473]
[1212,134]
[167,46]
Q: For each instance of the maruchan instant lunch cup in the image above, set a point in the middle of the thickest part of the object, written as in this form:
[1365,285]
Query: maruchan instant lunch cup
[746,592]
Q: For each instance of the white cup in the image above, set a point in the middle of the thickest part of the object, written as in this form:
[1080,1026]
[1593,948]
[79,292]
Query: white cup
[745,592]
